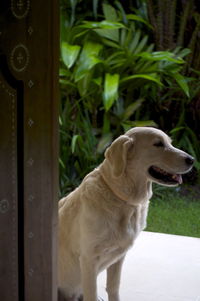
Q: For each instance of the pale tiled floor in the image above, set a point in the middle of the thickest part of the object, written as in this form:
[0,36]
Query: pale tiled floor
[160,267]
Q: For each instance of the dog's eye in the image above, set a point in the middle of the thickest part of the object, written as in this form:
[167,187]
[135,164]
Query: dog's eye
[159,144]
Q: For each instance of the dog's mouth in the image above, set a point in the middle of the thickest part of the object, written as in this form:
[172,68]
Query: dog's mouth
[164,177]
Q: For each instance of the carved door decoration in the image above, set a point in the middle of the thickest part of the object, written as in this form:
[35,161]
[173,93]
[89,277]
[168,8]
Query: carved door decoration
[9,93]
[29,39]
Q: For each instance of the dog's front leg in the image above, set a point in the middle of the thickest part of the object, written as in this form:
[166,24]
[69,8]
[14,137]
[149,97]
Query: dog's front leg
[113,280]
[88,278]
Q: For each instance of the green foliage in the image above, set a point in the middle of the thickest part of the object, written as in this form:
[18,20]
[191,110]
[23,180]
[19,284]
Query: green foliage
[176,25]
[78,154]
[174,212]
[111,79]
[110,93]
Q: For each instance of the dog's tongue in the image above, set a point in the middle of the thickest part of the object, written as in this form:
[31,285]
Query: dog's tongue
[178,178]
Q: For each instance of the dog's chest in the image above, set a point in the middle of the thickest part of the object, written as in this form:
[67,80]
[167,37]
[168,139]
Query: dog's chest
[131,224]
[121,237]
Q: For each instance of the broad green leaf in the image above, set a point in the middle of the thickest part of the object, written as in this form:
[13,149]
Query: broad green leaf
[197,165]
[110,12]
[64,72]
[123,36]
[146,67]
[177,129]
[66,82]
[108,25]
[189,145]
[77,33]
[61,163]
[151,77]
[129,124]
[109,30]
[135,41]
[181,80]
[89,57]
[84,83]
[138,18]
[150,48]
[145,123]
[106,124]
[141,45]
[110,43]
[132,108]
[74,142]
[69,53]
[128,36]
[109,34]
[116,55]
[97,81]
[184,52]
[181,52]
[161,56]
[60,121]
[110,94]
[104,142]
[118,63]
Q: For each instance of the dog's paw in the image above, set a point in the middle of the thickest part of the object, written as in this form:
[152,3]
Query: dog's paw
[61,297]
[80,298]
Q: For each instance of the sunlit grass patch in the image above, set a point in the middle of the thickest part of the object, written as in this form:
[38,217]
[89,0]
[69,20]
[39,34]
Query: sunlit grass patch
[175,212]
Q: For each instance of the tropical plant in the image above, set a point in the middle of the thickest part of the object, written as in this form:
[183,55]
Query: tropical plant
[108,70]
[176,24]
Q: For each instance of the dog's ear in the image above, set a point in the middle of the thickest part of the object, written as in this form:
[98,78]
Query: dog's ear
[116,155]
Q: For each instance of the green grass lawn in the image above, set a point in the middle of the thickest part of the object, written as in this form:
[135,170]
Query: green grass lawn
[175,212]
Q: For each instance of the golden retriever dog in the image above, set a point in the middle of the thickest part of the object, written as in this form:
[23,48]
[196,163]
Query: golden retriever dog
[100,220]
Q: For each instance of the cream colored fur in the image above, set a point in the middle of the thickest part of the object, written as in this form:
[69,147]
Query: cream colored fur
[100,220]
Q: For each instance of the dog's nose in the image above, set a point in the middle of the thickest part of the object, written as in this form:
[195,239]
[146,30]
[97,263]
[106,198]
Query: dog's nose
[189,160]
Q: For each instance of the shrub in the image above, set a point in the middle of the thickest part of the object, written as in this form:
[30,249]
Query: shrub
[111,79]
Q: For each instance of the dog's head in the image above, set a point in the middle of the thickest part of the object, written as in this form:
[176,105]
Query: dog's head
[147,153]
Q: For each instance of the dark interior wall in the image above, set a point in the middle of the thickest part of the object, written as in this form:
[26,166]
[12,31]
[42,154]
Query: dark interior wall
[29,56]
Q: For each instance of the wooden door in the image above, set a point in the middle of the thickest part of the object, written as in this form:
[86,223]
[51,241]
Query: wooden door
[29,43]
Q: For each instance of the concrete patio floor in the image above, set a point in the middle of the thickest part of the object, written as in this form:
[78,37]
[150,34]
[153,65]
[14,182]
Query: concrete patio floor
[160,267]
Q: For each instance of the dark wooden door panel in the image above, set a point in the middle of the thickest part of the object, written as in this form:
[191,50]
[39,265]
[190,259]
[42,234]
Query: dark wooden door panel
[8,192]
[29,40]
